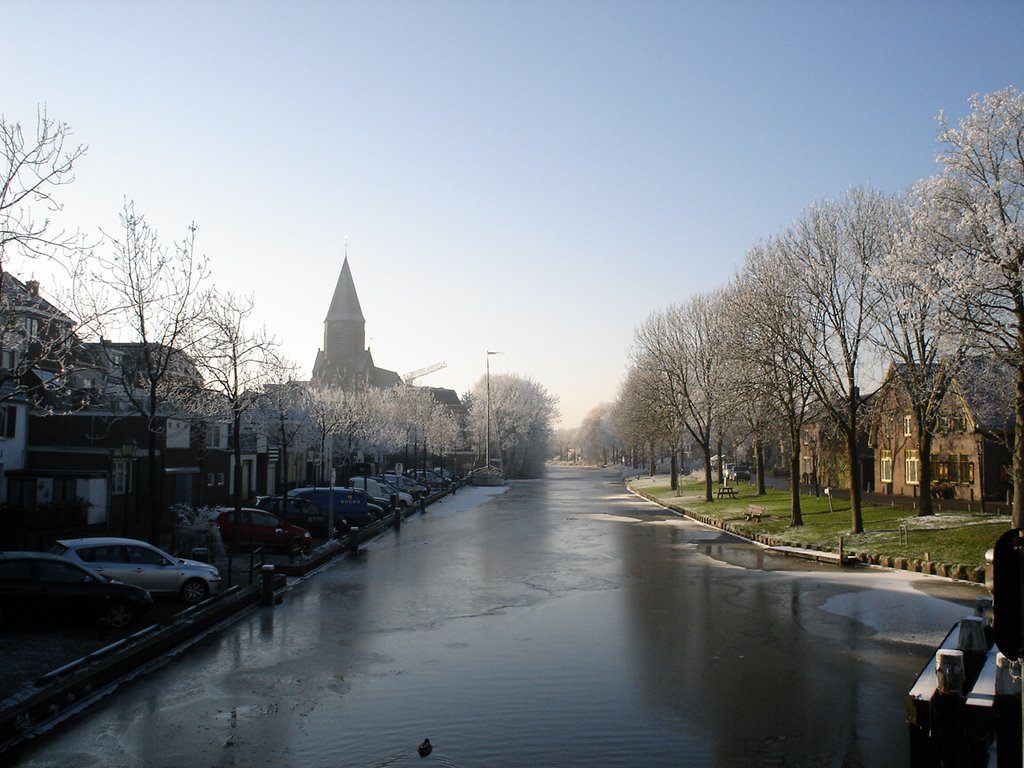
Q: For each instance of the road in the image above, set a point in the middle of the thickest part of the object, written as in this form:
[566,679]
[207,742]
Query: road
[564,622]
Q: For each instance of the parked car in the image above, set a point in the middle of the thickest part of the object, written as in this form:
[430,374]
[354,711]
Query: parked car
[374,491]
[259,528]
[142,564]
[404,498]
[428,477]
[39,587]
[301,512]
[738,472]
[350,504]
[416,489]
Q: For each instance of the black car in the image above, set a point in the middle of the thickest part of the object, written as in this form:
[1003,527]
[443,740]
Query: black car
[299,512]
[37,587]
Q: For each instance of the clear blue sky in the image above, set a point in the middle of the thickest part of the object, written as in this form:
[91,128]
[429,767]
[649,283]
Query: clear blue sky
[529,177]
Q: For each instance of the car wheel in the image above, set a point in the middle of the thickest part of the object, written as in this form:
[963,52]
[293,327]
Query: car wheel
[194,591]
[119,615]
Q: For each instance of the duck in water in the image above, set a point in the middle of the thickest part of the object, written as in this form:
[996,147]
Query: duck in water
[425,748]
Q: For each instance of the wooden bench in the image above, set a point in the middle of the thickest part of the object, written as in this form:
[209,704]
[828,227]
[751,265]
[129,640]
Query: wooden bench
[727,490]
[755,512]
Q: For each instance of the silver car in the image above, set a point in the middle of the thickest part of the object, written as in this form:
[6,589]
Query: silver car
[140,563]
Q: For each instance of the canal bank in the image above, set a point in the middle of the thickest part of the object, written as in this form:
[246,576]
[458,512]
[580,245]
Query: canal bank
[894,537]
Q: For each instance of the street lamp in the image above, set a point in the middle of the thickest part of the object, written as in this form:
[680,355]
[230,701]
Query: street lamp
[487,448]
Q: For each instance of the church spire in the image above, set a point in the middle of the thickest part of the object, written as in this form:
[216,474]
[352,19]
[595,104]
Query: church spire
[345,304]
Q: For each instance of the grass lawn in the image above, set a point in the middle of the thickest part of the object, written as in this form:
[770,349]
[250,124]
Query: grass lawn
[889,532]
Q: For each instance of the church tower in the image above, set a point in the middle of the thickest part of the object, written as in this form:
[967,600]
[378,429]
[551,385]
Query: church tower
[344,326]
[344,359]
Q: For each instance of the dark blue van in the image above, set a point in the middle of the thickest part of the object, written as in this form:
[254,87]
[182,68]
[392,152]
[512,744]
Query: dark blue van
[349,503]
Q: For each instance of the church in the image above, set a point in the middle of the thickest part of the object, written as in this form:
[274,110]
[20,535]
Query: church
[345,360]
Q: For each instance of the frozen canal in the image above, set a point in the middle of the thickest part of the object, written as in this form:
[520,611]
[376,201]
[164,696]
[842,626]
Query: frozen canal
[560,623]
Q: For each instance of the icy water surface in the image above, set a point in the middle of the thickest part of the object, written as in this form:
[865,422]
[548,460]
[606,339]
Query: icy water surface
[560,623]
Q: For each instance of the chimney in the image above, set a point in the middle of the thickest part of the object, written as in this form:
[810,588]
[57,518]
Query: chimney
[33,287]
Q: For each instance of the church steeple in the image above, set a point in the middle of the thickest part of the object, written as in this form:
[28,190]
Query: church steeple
[344,356]
[345,304]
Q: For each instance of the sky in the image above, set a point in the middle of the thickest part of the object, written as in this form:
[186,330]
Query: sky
[531,178]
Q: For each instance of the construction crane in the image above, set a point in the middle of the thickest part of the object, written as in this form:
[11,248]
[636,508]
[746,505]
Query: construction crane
[408,377]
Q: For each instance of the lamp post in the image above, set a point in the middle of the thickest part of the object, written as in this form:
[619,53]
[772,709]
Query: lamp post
[487,447]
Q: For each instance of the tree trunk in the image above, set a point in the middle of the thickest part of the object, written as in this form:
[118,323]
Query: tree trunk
[708,479]
[856,520]
[759,466]
[924,450]
[1018,434]
[674,464]
[795,516]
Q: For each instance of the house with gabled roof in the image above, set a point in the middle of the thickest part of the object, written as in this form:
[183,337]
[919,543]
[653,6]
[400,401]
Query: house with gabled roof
[970,441]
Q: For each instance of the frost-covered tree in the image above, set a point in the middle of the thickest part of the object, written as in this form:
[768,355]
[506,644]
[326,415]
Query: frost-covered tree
[915,325]
[598,435]
[976,204]
[681,348]
[523,414]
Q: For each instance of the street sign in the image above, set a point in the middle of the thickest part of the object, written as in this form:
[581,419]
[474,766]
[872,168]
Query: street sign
[1007,593]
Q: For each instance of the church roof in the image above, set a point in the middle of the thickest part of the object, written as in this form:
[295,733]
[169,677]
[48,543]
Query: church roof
[345,304]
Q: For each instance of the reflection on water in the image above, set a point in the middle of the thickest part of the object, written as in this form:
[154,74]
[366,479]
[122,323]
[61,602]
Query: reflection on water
[563,623]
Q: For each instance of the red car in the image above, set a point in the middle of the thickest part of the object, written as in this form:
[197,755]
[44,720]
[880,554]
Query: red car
[258,528]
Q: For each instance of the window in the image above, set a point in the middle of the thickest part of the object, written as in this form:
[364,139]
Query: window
[908,425]
[121,477]
[216,436]
[65,489]
[940,468]
[32,327]
[953,466]
[8,421]
[966,469]
[886,466]
[9,359]
[911,467]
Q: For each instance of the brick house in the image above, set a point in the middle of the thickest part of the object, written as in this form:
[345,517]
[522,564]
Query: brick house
[969,450]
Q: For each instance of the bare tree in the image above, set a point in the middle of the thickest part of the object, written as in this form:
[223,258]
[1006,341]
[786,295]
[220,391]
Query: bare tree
[834,248]
[36,333]
[769,350]
[32,169]
[976,204]
[235,362]
[145,301]
[645,417]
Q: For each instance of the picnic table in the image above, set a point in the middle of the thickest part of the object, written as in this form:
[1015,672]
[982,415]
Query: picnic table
[727,490]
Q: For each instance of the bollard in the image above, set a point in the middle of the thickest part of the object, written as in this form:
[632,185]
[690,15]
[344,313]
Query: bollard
[423,504]
[267,585]
[949,671]
[353,540]
[949,726]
